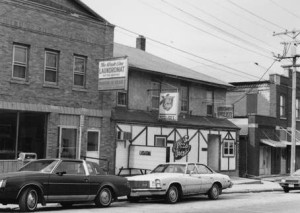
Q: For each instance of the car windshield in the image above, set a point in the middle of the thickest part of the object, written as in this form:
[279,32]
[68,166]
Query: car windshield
[297,173]
[170,168]
[40,165]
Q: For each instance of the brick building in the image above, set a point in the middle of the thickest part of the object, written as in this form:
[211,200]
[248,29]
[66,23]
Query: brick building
[143,139]
[49,99]
[262,110]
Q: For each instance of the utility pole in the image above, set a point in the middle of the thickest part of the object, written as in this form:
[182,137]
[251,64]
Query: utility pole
[293,46]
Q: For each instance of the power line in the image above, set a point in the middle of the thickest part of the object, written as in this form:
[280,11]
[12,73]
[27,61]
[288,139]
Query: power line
[197,28]
[186,52]
[253,14]
[215,27]
[227,24]
[286,10]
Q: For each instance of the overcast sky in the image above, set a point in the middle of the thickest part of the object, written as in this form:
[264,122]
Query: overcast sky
[231,40]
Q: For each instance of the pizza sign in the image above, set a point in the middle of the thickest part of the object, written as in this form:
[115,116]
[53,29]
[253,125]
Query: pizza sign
[181,147]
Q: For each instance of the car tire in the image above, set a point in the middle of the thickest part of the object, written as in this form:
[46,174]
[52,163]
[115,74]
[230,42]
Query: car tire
[133,199]
[214,192]
[286,189]
[28,200]
[172,195]
[104,198]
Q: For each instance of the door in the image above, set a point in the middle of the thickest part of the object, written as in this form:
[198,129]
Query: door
[69,182]
[93,145]
[193,181]
[67,142]
[265,160]
[206,176]
[213,149]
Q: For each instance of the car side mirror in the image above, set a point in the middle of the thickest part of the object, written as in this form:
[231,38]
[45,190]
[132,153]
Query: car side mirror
[61,173]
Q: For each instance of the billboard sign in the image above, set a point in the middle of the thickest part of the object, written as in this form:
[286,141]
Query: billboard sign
[112,74]
[168,106]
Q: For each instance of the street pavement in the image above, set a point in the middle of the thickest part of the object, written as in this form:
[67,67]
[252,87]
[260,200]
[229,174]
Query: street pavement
[240,185]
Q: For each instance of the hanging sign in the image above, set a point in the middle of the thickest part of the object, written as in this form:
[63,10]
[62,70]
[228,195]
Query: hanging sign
[168,106]
[113,74]
[181,147]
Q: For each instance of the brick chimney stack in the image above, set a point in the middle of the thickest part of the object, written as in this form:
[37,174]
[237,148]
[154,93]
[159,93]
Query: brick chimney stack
[141,43]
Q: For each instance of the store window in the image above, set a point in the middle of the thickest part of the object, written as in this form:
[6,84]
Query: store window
[68,142]
[155,92]
[228,148]
[282,107]
[79,71]
[160,140]
[51,67]
[122,98]
[20,61]
[93,141]
[184,94]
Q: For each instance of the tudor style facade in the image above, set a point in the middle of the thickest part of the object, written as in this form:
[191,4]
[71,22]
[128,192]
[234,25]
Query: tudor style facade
[143,140]
[49,99]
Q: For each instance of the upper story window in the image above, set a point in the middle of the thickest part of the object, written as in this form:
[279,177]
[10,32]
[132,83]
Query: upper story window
[184,94]
[20,61]
[122,99]
[297,109]
[282,106]
[51,66]
[209,103]
[79,71]
[155,92]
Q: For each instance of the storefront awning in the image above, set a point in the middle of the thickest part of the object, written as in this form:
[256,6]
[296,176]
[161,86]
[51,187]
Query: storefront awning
[290,143]
[276,144]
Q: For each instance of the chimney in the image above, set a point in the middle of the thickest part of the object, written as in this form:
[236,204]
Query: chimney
[141,43]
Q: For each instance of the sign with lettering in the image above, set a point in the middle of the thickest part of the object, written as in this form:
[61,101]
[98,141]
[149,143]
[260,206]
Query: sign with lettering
[113,74]
[168,106]
[181,147]
[225,112]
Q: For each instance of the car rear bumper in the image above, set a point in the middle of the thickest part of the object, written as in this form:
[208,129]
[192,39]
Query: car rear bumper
[147,192]
[290,185]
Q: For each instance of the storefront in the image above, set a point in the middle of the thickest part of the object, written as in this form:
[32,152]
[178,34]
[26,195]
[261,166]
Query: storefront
[143,141]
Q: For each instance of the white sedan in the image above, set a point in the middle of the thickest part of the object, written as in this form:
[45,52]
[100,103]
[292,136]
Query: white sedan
[176,180]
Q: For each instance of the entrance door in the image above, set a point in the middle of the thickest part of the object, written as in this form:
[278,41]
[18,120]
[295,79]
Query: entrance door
[93,145]
[265,160]
[67,142]
[213,150]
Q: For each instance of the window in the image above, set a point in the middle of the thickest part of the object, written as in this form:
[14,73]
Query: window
[20,61]
[160,141]
[51,66]
[92,141]
[297,109]
[155,92]
[282,106]
[203,169]
[122,99]
[228,148]
[191,169]
[184,98]
[68,142]
[79,71]
[209,103]
[71,168]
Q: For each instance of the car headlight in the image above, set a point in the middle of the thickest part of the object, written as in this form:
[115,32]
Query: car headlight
[157,183]
[282,180]
[2,184]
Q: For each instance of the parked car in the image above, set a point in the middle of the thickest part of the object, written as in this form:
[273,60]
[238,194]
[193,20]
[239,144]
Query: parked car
[64,181]
[125,172]
[173,181]
[291,182]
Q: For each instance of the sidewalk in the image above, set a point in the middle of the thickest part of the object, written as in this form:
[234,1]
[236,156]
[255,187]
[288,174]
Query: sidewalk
[246,185]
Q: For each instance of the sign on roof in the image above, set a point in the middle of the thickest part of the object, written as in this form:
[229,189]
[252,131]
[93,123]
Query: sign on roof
[113,74]
[168,106]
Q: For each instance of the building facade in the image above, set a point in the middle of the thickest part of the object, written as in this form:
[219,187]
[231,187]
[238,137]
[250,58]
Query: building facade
[143,139]
[263,112]
[49,99]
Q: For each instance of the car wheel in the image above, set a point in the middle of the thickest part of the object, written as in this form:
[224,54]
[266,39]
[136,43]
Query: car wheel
[172,195]
[133,199]
[214,192]
[286,189]
[28,200]
[104,198]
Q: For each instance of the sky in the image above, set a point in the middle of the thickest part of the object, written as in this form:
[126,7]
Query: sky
[231,40]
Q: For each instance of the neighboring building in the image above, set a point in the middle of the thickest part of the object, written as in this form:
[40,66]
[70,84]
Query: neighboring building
[49,98]
[262,110]
[143,140]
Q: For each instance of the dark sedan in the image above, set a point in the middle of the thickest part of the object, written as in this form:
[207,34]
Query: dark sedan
[64,181]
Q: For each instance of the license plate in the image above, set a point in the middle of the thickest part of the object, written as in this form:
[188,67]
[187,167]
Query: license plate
[291,185]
